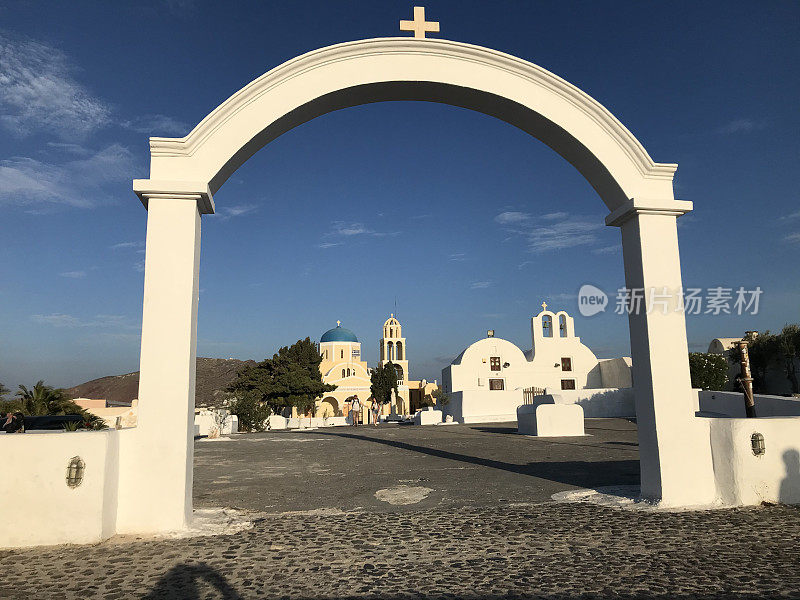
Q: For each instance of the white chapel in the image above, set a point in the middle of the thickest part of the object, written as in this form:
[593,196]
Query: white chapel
[492,377]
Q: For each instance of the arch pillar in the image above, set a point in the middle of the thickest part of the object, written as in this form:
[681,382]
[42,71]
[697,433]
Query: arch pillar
[155,492]
[674,452]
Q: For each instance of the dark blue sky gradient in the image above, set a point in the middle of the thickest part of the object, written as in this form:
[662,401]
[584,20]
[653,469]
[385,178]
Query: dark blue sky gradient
[712,86]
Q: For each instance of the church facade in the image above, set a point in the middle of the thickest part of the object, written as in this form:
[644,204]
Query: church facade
[343,366]
[491,378]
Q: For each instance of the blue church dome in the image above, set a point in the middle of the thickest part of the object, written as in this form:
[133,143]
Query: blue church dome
[338,334]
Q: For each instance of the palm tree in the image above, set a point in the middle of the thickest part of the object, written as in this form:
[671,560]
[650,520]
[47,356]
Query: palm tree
[43,400]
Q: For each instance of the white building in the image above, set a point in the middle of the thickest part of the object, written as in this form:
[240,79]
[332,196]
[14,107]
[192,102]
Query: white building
[491,378]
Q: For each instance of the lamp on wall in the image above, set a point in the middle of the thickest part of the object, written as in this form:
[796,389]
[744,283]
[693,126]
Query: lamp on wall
[506,365]
[757,442]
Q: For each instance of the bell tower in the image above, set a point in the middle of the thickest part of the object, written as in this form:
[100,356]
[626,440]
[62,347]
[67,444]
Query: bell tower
[393,348]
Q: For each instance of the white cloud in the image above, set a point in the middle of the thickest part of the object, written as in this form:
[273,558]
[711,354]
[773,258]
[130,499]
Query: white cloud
[76,149]
[741,126]
[341,228]
[127,245]
[480,285]
[793,215]
[507,218]
[563,233]
[138,266]
[457,257]
[74,183]
[793,238]
[227,212]
[73,274]
[325,245]
[349,230]
[157,126]
[56,320]
[566,234]
[607,249]
[63,320]
[38,92]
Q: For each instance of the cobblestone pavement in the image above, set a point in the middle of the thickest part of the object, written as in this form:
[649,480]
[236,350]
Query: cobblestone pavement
[543,550]
[479,543]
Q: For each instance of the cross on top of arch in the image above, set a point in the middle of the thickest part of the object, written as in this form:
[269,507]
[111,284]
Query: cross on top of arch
[419,25]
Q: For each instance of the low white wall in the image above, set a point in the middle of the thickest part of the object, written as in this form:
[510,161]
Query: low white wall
[427,417]
[501,406]
[549,418]
[745,479]
[603,402]
[484,406]
[732,404]
[41,507]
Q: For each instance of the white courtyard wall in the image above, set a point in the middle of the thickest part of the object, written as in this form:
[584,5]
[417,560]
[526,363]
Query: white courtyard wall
[732,404]
[484,406]
[41,507]
[743,478]
[615,372]
[600,403]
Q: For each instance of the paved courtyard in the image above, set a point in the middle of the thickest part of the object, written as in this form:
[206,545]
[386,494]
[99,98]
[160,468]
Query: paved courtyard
[435,512]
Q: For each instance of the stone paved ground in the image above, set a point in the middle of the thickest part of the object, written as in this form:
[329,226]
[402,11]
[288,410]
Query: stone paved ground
[475,542]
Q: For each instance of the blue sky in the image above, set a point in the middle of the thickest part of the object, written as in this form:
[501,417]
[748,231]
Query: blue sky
[462,220]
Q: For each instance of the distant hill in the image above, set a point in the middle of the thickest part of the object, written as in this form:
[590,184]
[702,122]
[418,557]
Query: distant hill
[213,376]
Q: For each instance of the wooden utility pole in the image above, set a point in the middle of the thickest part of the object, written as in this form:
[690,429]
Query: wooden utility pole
[747,381]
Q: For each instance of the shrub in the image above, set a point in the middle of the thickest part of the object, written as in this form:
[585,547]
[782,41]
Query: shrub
[708,371]
[251,412]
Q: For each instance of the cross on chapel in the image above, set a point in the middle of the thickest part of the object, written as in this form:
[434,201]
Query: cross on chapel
[338,323]
[544,305]
[419,25]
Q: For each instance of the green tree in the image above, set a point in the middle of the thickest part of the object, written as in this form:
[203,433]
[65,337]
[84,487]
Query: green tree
[41,400]
[383,382]
[290,378]
[708,371]
[789,352]
[767,350]
[763,349]
[251,411]
[441,397]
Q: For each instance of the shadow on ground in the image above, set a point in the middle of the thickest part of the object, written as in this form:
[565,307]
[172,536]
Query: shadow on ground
[192,582]
[577,473]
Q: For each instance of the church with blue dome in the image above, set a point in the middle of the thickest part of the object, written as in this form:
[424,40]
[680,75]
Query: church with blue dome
[343,366]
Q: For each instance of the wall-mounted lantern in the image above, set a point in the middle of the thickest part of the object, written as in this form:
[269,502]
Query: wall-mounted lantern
[757,442]
[75,469]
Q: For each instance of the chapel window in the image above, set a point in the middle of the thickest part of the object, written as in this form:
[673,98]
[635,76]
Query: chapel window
[343,375]
[562,326]
[566,363]
[342,354]
[496,384]
[494,363]
[547,326]
[567,384]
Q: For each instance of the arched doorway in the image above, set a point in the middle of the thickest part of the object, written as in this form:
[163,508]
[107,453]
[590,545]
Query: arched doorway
[186,172]
[329,407]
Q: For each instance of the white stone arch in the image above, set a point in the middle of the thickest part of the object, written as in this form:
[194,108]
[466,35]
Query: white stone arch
[155,491]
